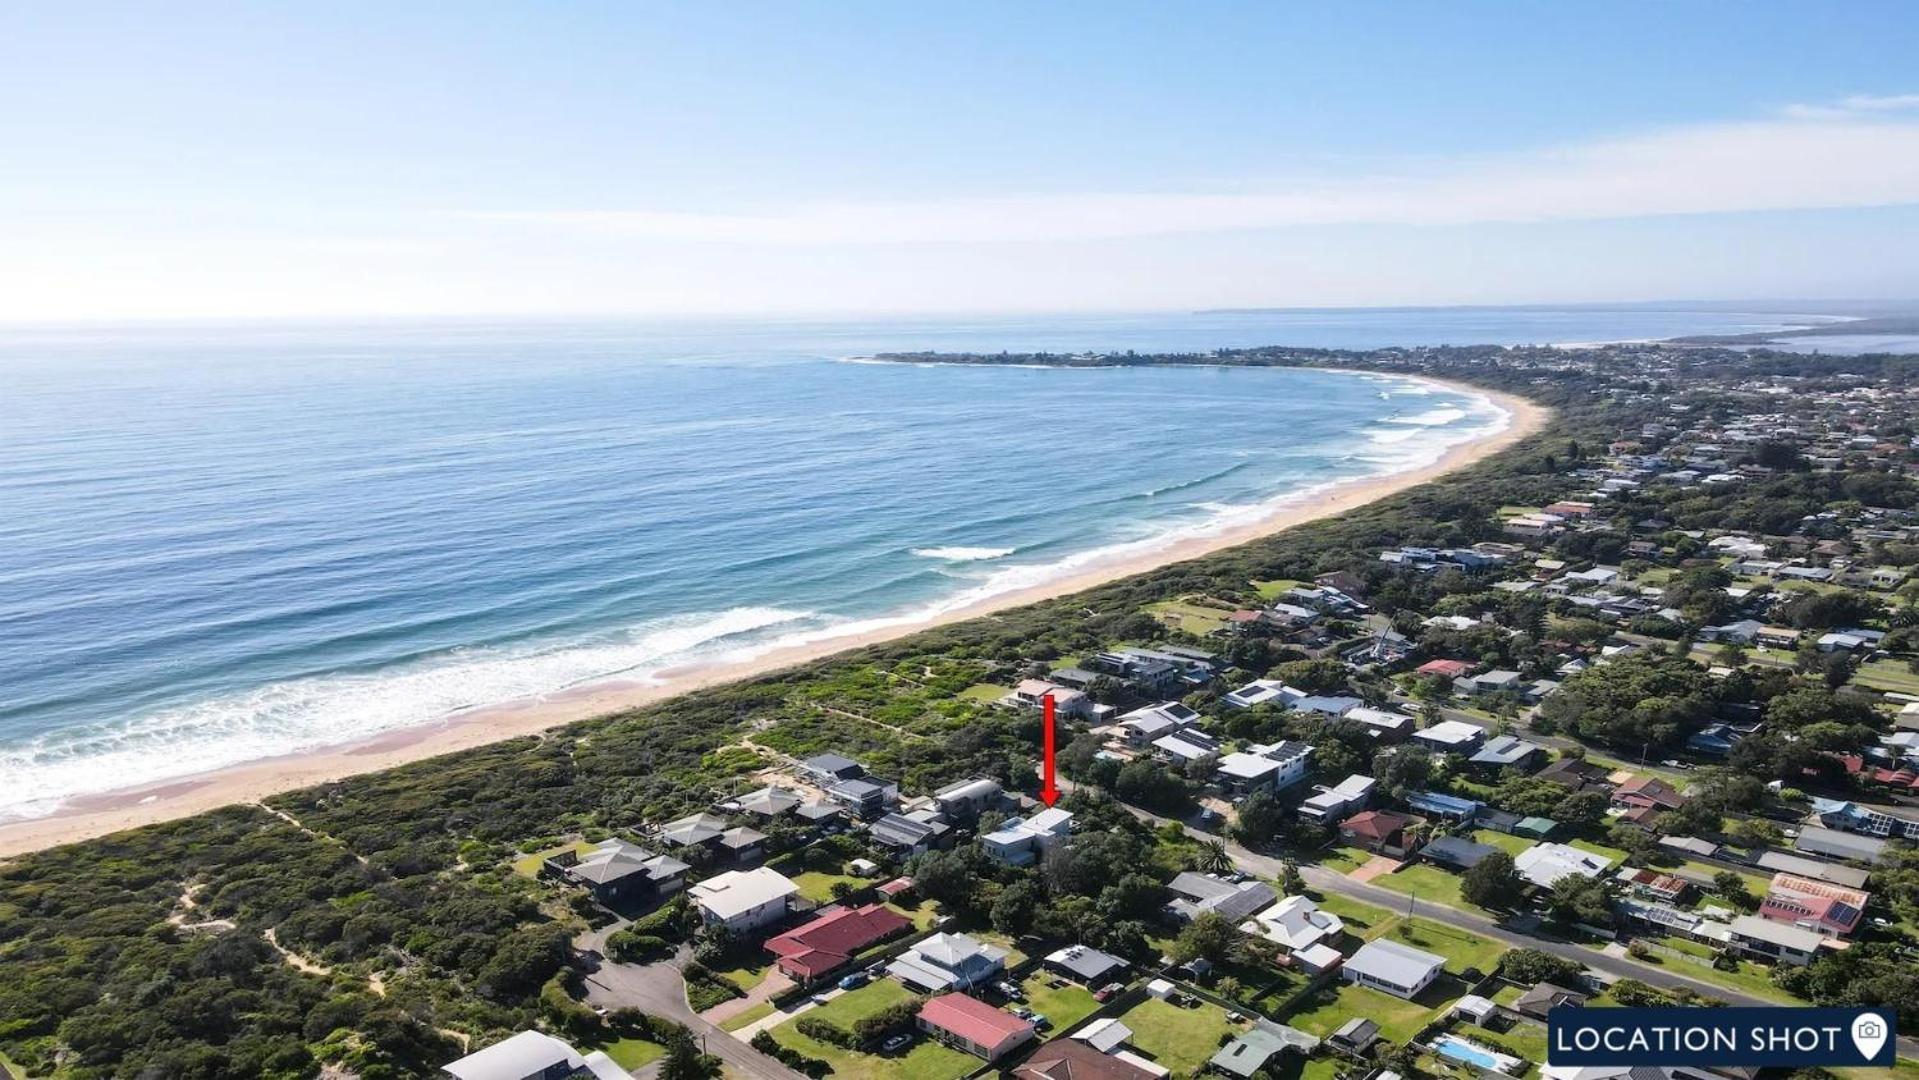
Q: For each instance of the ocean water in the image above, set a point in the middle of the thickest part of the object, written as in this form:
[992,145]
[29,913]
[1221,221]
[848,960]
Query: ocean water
[219,544]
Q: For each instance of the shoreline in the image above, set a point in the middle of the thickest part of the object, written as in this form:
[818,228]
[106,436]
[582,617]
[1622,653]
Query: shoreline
[88,816]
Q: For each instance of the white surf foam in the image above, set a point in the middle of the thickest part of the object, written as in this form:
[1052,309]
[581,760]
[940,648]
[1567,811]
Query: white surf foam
[963,554]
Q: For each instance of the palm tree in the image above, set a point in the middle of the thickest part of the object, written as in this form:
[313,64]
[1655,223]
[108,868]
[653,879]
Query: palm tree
[1213,858]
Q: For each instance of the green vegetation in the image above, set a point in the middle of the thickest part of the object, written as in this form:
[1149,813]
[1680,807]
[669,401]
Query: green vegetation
[747,1017]
[1064,1005]
[1179,1038]
[1327,1010]
[1462,949]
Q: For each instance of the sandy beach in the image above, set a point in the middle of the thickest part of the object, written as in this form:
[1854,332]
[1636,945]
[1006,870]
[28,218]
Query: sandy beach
[100,814]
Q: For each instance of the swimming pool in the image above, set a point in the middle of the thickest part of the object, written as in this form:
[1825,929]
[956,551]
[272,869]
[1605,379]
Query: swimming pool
[1458,1049]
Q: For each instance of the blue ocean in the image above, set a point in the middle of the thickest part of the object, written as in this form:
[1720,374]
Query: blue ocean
[224,543]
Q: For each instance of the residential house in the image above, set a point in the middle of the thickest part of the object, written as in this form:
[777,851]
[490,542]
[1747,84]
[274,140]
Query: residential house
[1450,807]
[615,871]
[1647,792]
[1085,965]
[949,962]
[906,836]
[1354,1037]
[1490,682]
[1818,869]
[1383,831]
[1020,841]
[1542,998]
[965,799]
[1820,906]
[1396,969]
[1296,924]
[1451,737]
[1262,692]
[697,831]
[817,949]
[1197,894]
[1252,1052]
[1451,670]
[1075,1059]
[1067,702]
[1336,802]
[865,796]
[1142,727]
[1508,752]
[744,900]
[1815,840]
[1186,747]
[1665,888]
[1455,852]
[1265,768]
[769,802]
[1578,774]
[1774,941]
[1546,864]
[974,1026]
[829,769]
[1383,724]
[534,1055]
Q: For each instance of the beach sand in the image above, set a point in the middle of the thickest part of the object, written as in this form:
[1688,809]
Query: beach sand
[97,815]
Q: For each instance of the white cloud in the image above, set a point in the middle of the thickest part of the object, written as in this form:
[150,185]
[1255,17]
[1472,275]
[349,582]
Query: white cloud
[1855,154]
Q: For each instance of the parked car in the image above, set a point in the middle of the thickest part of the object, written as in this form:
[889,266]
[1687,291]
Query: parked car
[1039,1021]
[855,980]
[1009,989]
[895,1043]
[1107,992]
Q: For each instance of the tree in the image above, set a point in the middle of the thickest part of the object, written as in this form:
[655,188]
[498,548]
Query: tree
[1492,882]
[1581,809]
[1530,966]
[1213,858]
[1580,899]
[1259,818]
[1401,769]
[1290,881]
[1208,937]
[1014,910]
[1730,885]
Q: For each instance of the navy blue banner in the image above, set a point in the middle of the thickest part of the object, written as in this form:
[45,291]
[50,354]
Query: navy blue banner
[1771,1035]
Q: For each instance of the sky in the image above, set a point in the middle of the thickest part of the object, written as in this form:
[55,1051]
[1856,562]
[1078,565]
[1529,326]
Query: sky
[359,159]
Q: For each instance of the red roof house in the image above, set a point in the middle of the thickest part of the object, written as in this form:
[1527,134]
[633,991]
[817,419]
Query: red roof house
[830,942]
[1071,1059]
[1648,791]
[973,1026]
[1451,669]
[1376,830]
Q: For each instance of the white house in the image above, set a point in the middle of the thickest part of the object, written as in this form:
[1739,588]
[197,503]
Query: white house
[533,1055]
[1142,726]
[1019,841]
[1399,970]
[1451,737]
[949,962]
[1266,768]
[1545,864]
[1263,692]
[744,900]
[1336,802]
[1296,923]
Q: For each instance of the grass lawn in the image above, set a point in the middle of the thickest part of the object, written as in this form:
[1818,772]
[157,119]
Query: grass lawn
[1506,842]
[1748,978]
[1758,883]
[1462,949]
[742,1019]
[817,885]
[1425,881]
[925,1060]
[1326,1011]
[1188,616]
[855,1005]
[985,691]
[1270,590]
[1615,854]
[1507,995]
[747,977]
[923,914]
[1362,920]
[1182,1040]
[1889,675]
[529,865]
[632,1054]
[1676,777]
[1523,1039]
[1343,860]
[1014,957]
[1065,1006]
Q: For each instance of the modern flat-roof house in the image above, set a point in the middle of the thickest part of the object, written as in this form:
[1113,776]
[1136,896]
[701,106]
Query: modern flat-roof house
[1186,746]
[1498,681]
[1832,843]
[1451,737]
[744,900]
[829,769]
[1141,726]
[1262,692]
[1085,964]
[1774,941]
[965,799]
[1296,923]
[815,950]
[905,835]
[1508,752]
[1383,724]
[534,1055]
[1377,830]
[1866,820]
[949,962]
[1456,852]
[1340,800]
[1197,894]
[1396,969]
[972,1025]
[614,871]
[1265,768]
[865,796]
[1019,841]
[1545,864]
[1032,693]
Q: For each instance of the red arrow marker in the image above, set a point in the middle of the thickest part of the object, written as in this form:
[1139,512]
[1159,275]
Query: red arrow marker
[1048,785]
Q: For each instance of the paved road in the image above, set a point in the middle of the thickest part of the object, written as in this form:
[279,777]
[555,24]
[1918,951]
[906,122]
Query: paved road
[659,990]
